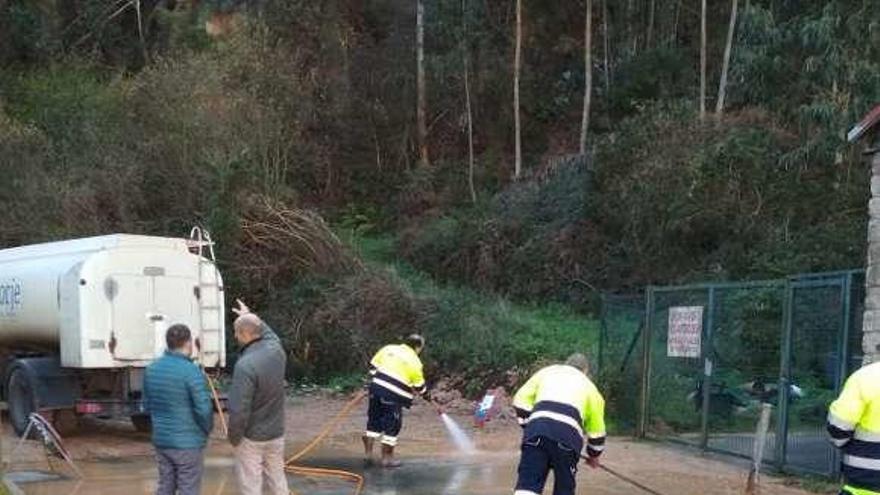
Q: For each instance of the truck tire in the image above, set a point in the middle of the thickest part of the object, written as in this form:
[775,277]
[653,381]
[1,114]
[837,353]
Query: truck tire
[21,399]
[142,423]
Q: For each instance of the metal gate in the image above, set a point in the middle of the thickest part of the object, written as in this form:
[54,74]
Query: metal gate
[705,357]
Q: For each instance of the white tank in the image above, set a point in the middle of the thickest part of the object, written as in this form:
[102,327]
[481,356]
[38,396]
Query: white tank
[105,302]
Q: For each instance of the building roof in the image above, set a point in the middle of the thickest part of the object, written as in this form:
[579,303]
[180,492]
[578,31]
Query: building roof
[867,123]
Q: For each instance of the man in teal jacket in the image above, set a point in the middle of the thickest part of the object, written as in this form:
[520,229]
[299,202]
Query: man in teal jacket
[177,399]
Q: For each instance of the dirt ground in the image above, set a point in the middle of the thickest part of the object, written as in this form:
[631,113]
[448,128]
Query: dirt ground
[117,460]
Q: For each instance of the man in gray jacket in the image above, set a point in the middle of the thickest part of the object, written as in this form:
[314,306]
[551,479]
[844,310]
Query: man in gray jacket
[256,406]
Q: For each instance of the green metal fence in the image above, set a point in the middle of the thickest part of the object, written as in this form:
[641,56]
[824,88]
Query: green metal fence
[620,358]
[705,357]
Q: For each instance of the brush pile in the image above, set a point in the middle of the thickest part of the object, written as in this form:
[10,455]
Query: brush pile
[280,243]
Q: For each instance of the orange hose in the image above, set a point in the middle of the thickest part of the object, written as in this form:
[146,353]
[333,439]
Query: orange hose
[216,398]
[357,479]
[329,427]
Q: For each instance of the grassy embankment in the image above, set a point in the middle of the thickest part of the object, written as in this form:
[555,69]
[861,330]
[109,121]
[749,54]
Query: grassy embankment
[474,337]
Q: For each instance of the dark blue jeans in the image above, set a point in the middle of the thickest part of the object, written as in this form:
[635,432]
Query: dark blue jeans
[539,456]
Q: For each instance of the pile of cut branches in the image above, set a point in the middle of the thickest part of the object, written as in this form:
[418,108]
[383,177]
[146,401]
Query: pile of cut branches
[279,243]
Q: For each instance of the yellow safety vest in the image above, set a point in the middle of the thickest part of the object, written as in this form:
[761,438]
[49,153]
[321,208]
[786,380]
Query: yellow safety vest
[397,373]
[854,426]
[857,491]
[559,402]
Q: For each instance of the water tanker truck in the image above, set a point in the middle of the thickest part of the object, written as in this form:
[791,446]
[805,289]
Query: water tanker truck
[81,319]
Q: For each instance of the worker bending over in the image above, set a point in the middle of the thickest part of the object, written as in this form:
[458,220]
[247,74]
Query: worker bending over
[396,377]
[555,407]
[854,425]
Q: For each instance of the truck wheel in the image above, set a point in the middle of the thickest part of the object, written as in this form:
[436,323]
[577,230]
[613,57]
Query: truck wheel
[142,423]
[22,400]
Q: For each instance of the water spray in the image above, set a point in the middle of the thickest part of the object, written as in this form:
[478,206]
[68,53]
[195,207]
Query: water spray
[458,436]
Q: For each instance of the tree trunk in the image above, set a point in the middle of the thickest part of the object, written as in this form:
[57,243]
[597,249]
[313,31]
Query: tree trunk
[722,85]
[675,23]
[5,36]
[467,101]
[652,8]
[588,74]
[516,69]
[142,40]
[193,11]
[632,26]
[421,111]
[605,42]
[703,63]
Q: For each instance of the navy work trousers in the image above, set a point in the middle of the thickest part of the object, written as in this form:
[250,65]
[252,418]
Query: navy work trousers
[540,455]
[384,420]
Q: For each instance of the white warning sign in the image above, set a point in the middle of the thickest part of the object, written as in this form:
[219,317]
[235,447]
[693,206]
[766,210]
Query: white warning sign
[685,332]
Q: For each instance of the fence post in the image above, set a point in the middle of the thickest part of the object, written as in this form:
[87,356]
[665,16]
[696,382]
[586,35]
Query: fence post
[843,346]
[707,371]
[843,356]
[781,436]
[642,429]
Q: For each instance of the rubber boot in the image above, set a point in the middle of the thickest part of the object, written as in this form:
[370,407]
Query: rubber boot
[388,460]
[368,450]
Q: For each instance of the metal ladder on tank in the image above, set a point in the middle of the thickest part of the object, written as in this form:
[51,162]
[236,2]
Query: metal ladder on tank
[199,239]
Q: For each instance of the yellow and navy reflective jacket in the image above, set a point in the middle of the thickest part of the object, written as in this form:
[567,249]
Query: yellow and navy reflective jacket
[854,426]
[397,374]
[559,402]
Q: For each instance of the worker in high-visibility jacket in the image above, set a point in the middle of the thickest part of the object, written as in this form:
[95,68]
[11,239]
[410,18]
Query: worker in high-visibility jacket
[854,426]
[396,378]
[558,407]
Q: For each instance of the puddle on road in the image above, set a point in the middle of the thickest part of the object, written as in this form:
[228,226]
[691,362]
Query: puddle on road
[33,476]
[447,476]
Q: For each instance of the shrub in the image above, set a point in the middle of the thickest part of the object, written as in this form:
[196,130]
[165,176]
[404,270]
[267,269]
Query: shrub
[332,323]
[526,242]
[331,326]
[670,200]
[30,209]
[486,341]
[279,244]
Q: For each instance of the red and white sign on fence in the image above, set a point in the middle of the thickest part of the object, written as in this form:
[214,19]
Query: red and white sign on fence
[685,332]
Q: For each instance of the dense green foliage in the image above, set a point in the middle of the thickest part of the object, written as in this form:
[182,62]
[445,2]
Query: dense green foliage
[710,203]
[111,124]
[770,191]
[335,325]
[527,241]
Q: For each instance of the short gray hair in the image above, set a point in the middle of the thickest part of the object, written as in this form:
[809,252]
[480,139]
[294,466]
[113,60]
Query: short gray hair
[248,322]
[415,341]
[579,361]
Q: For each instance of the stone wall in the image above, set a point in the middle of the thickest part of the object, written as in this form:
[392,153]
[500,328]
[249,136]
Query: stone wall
[871,326]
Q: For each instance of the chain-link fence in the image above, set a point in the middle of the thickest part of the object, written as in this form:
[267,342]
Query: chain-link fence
[696,363]
[620,358]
